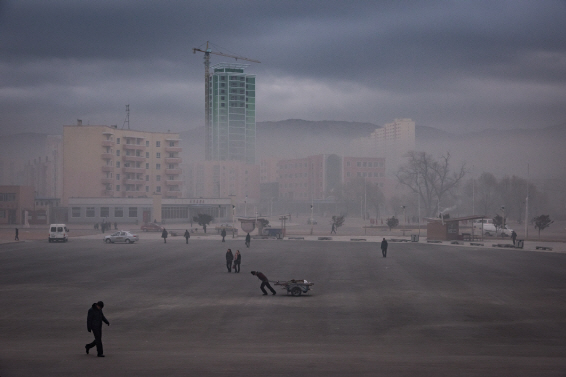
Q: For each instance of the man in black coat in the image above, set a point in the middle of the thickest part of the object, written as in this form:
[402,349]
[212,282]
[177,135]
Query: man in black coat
[164,235]
[248,240]
[229,259]
[223,234]
[94,321]
[264,282]
[384,247]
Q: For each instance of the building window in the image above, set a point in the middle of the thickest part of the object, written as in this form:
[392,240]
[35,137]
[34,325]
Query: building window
[158,178]
[158,189]
[118,212]
[104,211]
[117,152]
[117,140]
[359,164]
[117,187]
[171,143]
[132,211]
[2,214]
[146,154]
[147,143]
[158,155]
[117,177]
[158,144]
[158,166]
[89,211]
[7,197]
[76,212]
[147,165]
[117,164]
[147,177]
[146,188]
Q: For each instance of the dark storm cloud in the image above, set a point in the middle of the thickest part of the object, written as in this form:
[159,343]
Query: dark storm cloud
[449,64]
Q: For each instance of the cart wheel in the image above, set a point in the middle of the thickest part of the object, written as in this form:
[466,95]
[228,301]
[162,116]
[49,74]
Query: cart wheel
[296,291]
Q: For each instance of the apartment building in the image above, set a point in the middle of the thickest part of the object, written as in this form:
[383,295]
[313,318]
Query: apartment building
[321,176]
[104,161]
[223,179]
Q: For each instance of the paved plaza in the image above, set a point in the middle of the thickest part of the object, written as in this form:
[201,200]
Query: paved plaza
[425,310]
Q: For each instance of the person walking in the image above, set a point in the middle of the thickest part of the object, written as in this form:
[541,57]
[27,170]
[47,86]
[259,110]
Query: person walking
[229,259]
[384,247]
[223,234]
[237,261]
[333,229]
[187,235]
[513,237]
[17,238]
[248,240]
[94,321]
[264,282]
[164,235]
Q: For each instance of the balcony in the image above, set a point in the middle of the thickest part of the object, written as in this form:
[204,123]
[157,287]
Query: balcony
[173,149]
[173,194]
[173,160]
[108,143]
[134,181]
[138,147]
[173,171]
[134,194]
[133,170]
[108,168]
[107,180]
[107,192]
[107,156]
[133,158]
[173,182]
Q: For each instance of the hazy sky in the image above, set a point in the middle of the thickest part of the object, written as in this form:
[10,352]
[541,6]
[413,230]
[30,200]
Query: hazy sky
[454,65]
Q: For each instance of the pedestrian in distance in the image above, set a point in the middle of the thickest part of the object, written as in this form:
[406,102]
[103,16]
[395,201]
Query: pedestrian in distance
[187,235]
[248,240]
[264,282]
[384,247]
[94,321]
[237,261]
[229,259]
[17,238]
[223,234]
[513,237]
[164,235]
[333,229]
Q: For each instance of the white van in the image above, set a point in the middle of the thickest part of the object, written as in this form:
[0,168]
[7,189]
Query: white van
[489,228]
[58,232]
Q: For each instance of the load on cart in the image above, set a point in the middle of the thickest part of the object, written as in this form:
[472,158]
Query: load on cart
[295,286]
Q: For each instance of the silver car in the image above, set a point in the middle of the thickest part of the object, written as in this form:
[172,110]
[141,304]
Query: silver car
[121,236]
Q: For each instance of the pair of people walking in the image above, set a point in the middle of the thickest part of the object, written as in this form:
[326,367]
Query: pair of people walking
[233,261]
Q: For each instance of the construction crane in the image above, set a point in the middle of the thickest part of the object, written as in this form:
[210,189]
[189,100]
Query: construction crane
[207,53]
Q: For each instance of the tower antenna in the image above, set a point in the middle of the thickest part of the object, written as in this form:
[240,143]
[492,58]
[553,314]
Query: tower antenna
[127,120]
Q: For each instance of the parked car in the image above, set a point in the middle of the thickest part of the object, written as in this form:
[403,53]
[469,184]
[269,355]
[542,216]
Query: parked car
[58,232]
[151,227]
[121,236]
[489,228]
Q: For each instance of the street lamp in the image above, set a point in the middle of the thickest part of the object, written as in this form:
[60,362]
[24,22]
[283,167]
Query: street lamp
[404,220]
[503,210]
[246,207]
[233,219]
[312,220]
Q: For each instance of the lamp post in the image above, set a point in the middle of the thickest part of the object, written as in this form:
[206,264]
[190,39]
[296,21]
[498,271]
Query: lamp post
[246,207]
[503,226]
[233,219]
[404,220]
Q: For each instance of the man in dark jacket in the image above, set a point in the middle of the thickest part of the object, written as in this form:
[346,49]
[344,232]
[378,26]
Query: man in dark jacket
[229,259]
[264,282]
[164,234]
[384,247]
[94,321]
[187,235]
[248,240]
[223,234]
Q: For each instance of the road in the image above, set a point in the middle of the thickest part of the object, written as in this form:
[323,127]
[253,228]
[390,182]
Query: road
[425,310]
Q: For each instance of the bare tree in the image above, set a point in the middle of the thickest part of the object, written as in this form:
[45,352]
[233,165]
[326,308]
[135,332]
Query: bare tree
[431,179]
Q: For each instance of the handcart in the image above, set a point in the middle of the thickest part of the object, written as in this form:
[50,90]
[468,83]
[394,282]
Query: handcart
[295,287]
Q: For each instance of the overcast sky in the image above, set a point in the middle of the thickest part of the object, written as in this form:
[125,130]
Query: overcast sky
[455,65]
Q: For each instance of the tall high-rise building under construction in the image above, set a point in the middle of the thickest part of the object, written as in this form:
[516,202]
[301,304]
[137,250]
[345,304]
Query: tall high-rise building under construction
[231,125]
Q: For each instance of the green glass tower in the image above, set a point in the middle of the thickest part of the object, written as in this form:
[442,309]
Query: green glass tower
[231,132]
